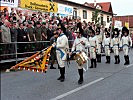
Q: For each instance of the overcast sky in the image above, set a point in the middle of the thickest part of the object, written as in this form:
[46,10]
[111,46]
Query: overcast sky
[120,7]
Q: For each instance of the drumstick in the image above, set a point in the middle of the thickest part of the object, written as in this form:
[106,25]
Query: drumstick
[78,44]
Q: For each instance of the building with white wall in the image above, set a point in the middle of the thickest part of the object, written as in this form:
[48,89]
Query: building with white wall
[84,11]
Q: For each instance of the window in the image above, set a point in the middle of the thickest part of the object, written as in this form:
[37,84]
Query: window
[101,19]
[111,19]
[107,19]
[92,16]
[75,13]
[84,14]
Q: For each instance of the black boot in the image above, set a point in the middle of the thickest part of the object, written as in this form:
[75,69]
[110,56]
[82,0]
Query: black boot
[125,57]
[115,60]
[80,81]
[128,60]
[118,59]
[62,72]
[99,58]
[91,63]
[95,63]
[106,59]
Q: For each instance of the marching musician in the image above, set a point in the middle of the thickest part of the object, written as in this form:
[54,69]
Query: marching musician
[115,44]
[106,44]
[99,39]
[79,46]
[126,43]
[62,49]
[93,45]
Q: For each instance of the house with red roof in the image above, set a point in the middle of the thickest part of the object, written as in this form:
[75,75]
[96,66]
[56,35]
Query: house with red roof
[85,11]
[105,12]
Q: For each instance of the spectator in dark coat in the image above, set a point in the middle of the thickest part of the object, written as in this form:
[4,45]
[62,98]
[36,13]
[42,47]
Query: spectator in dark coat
[22,37]
[14,33]
[49,32]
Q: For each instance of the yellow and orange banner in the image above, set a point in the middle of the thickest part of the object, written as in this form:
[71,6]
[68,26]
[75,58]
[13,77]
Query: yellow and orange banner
[40,5]
[36,63]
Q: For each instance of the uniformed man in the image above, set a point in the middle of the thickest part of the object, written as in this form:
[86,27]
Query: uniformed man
[126,43]
[14,31]
[115,44]
[44,31]
[37,32]
[93,45]
[79,45]
[99,39]
[62,48]
[14,34]
[30,31]
[106,44]
[38,35]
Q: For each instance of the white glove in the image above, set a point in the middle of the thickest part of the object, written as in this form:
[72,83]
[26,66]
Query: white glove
[54,44]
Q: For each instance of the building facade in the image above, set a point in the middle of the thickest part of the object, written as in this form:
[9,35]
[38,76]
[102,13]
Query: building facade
[85,11]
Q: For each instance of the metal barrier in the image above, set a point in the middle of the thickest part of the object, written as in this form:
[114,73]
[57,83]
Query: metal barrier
[17,51]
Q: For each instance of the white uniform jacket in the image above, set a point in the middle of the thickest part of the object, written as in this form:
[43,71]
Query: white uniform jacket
[106,42]
[126,41]
[62,46]
[78,46]
[99,40]
[115,42]
[93,42]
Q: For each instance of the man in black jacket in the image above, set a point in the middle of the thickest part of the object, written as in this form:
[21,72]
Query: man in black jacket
[22,37]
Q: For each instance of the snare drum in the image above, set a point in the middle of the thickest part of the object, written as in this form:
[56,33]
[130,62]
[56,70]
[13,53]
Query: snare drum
[81,58]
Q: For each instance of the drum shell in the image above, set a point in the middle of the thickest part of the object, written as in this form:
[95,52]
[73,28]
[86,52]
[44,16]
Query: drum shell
[80,58]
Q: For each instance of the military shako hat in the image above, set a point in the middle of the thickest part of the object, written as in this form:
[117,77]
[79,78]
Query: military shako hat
[124,29]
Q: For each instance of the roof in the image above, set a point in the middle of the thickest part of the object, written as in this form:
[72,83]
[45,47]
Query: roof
[105,6]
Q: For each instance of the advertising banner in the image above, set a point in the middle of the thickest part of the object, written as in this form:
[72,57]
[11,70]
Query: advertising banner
[9,3]
[40,5]
[65,9]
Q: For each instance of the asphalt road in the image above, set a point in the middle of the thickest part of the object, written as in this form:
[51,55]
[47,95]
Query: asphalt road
[106,82]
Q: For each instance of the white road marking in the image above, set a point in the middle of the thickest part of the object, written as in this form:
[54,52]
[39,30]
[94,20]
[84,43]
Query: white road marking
[77,89]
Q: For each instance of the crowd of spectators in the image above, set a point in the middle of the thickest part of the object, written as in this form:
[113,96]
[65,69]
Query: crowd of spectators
[21,26]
